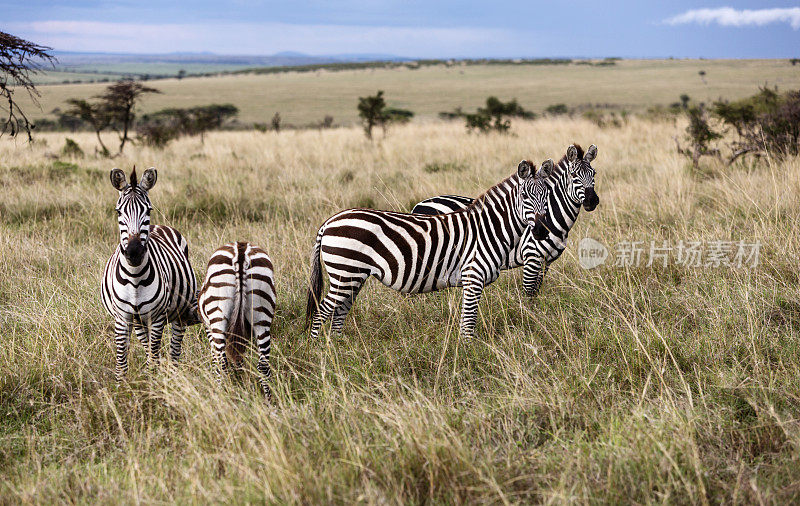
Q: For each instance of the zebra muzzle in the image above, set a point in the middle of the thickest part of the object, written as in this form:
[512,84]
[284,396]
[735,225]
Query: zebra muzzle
[539,229]
[591,200]
[134,253]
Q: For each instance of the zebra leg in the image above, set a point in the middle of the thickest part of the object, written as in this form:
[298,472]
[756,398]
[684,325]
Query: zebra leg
[341,311]
[178,329]
[141,334]
[122,339]
[217,341]
[533,274]
[264,342]
[157,325]
[323,313]
[473,289]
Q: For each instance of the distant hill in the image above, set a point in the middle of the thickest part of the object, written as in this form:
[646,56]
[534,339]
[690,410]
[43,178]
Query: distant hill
[77,67]
[74,61]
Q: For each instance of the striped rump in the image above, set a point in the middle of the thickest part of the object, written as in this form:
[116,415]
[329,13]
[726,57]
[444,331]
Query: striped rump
[237,303]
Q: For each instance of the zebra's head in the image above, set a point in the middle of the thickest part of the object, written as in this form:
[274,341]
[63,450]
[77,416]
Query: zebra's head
[580,168]
[534,194]
[133,211]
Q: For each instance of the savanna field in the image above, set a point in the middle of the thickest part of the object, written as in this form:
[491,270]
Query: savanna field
[617,384]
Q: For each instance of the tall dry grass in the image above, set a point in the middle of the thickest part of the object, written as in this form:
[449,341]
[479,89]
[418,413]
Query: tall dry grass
[645,384]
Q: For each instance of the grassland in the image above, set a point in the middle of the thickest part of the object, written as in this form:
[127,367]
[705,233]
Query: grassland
[303,98]
[620,385]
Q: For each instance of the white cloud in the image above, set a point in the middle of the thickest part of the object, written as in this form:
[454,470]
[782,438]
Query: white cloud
[728,16]
[263,38]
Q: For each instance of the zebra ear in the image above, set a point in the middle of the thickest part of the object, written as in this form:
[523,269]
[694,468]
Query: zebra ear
[117,179]
[525,169]
[572,153]
[148,179]
[546,169]
[591,153]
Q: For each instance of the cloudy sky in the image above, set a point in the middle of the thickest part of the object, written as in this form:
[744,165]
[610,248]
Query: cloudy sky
[415,28]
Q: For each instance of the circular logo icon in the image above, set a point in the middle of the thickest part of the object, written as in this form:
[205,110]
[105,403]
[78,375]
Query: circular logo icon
[591,253]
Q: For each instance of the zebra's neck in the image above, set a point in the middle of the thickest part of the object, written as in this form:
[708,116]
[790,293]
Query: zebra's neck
[500,205]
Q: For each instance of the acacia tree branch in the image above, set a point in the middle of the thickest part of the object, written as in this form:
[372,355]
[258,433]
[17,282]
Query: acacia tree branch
[20,60]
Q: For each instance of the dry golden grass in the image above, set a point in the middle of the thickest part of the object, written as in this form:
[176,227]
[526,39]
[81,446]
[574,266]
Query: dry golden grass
[303,98]
[616,385]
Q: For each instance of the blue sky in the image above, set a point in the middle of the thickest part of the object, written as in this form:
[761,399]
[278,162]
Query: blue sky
[415,28]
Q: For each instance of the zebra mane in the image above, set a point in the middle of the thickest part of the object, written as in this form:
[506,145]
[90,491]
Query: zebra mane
[133,177]
[478,203]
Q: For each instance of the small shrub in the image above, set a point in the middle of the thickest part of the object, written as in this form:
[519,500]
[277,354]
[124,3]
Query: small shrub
[260,127]
[557,109]
[603,120]
[483,123]
[395,115]
[433,168]
[373,112]
[364,201]
[494,116]
[71,149]
[60,170]
[699,134]
[157,134]
[327,121]
[454,114]
[276,122]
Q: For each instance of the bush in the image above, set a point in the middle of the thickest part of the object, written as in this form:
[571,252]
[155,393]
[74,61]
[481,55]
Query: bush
[765,122]
[604,120]
[699,134]
[71,149]
[373,112]
[157,134]
[159,128]
[557,109]
[494,116]
[433,168]
[454,114]
[395,115]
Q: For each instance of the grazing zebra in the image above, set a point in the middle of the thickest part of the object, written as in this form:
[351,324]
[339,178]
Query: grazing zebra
[572,185]
[237,303]
[148,281]
[417,254]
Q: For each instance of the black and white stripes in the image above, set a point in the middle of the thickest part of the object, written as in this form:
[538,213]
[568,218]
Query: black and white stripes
[416,254]
[148,281]
[571,186]
[237,303]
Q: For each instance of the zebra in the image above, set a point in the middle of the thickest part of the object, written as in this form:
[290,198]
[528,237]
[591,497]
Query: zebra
[237,303]
[417,254]
[148,281]
[572,186]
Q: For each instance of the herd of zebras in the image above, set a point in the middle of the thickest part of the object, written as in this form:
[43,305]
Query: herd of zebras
[446,241]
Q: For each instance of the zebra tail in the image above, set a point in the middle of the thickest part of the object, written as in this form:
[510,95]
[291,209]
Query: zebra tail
[235,346]
[315,283]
